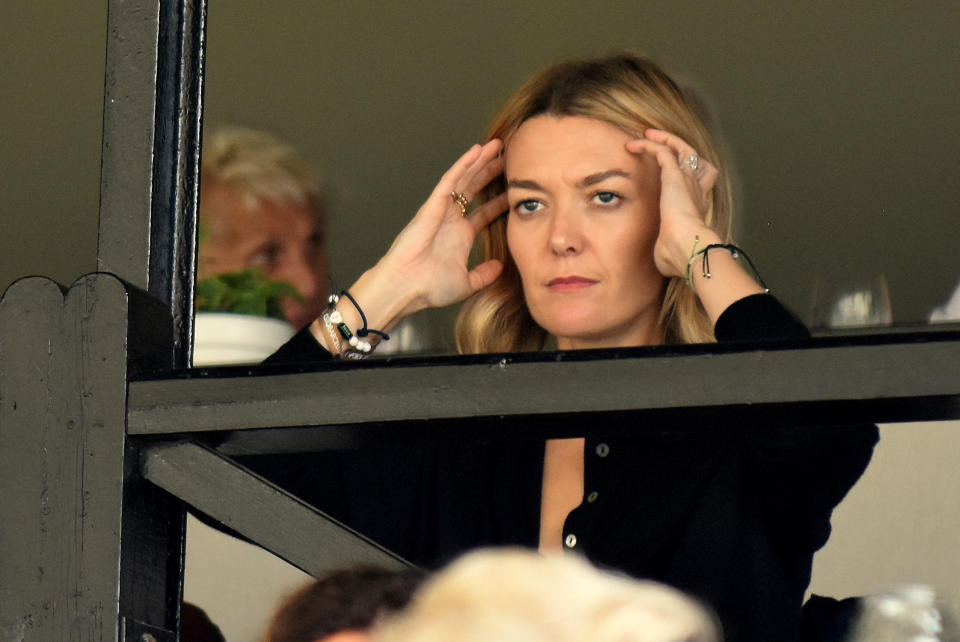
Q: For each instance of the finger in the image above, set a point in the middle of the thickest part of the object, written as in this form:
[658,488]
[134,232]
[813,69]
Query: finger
[487,165]
[439,204]
[452,176]
[687,155]
[479,179]
[665,156]
[708,178]
[704,177]
[484,274]
[673,141]
[488,212]
[706,173]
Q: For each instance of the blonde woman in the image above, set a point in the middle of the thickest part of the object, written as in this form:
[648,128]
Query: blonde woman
[605,210]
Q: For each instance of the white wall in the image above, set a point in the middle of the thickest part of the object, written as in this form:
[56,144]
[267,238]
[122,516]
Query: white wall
[901,522]
[236,583]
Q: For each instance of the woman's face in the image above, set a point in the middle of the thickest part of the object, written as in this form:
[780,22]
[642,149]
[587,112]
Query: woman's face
[583,220]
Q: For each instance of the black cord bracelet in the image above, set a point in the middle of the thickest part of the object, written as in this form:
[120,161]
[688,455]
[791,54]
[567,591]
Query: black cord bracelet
[364,331]
[735,252]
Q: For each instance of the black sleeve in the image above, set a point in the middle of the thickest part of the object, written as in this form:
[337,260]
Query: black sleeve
[801,472]
[758,316]
[301,348]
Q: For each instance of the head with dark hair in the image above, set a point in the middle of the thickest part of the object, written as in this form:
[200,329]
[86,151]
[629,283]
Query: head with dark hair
[196,625]
[349,599]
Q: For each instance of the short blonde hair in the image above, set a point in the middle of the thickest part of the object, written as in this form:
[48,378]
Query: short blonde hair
[513,595]
[260,166]
[632,93]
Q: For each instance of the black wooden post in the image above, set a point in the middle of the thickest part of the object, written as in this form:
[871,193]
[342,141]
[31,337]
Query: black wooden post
[91,550]
[151,152]
[87,552]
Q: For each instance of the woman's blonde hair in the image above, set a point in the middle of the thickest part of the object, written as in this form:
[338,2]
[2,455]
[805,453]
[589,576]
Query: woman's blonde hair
[514,595]
[634,94]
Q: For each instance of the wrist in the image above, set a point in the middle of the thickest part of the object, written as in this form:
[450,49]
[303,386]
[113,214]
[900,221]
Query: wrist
[385,297]
[684,245]
[377,302]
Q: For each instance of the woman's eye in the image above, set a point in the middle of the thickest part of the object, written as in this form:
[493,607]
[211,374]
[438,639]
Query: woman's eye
[606,198]
[528,207]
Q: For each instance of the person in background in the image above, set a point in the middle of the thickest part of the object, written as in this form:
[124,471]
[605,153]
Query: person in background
[262,207]
[196,626]
[512,595]
[343,605]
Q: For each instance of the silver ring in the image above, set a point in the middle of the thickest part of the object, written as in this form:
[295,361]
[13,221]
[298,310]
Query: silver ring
[693,162]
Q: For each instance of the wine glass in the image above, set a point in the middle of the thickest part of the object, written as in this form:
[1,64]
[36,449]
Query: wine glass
[910,613]
[851,303]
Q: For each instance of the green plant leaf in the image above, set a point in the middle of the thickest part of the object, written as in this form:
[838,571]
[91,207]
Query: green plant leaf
[244,292]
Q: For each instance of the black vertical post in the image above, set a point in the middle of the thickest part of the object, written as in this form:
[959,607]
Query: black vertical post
[151,152]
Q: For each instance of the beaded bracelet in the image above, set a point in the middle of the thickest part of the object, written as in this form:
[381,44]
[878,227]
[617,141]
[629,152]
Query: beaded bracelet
[357,348]
[735,252]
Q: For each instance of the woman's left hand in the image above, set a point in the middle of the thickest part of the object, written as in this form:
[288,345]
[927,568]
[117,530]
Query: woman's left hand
[686,184]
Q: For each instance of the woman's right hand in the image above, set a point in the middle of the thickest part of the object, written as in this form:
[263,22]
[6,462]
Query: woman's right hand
[427,264]
[429,258]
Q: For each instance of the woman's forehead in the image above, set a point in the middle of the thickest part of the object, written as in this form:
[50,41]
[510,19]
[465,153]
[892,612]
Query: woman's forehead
[567,144]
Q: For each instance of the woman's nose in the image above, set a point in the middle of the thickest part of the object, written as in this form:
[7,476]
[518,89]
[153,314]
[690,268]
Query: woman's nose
[565,232]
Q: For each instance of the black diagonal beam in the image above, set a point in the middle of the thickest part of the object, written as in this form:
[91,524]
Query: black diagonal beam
[259,510]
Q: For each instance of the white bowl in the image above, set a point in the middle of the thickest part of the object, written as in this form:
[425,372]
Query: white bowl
[224,338]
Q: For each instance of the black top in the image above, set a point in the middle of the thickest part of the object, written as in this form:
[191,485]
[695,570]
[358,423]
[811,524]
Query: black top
[732,514]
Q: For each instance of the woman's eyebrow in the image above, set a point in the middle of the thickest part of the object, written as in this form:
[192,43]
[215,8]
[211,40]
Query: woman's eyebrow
[587,181]
[525,185]
[599,177]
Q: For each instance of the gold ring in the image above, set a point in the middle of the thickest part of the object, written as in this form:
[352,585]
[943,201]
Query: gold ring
[462,201]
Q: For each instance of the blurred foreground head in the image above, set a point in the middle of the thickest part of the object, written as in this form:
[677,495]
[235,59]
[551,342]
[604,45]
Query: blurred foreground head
[343,605]
[261,207]
[520,596]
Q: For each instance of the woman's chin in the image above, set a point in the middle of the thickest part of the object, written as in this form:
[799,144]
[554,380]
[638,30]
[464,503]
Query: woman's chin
[571,335]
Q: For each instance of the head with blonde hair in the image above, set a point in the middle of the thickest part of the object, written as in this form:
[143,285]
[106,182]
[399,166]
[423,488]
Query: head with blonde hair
[260,166]
[514,595]
[261,208]
[632,94]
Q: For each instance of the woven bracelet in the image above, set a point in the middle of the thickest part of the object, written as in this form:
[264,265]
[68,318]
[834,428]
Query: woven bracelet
[735,252]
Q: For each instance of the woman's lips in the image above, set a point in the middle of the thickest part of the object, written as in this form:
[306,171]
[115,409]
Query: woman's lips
[569,283]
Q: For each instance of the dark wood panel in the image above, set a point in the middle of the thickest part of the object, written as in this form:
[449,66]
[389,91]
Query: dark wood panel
[84,542]
[887,375]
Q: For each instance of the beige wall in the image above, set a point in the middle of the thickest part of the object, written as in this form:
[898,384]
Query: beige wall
[238,584]
[51,110]
[900,524]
